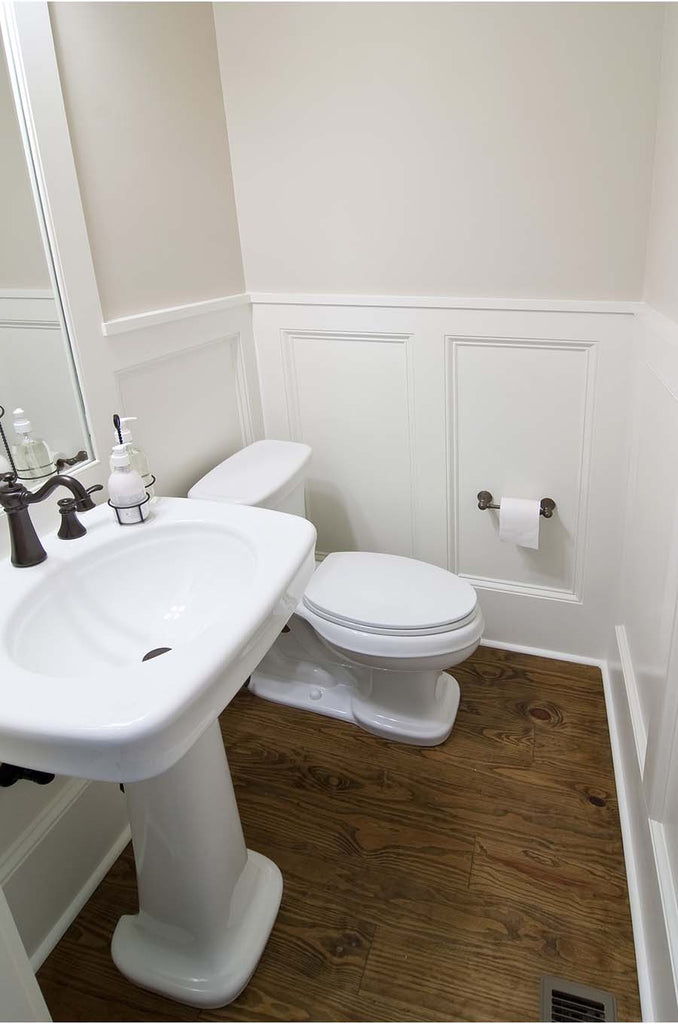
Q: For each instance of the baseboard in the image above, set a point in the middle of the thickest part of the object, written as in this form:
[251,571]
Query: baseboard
[542,652]
[54,865]
[654,906]
[632,696]
[623,785]
[70,912]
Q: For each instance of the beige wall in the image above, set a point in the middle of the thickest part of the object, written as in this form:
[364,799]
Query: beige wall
[442,149]
[145,110]
[661,281]
[22,257]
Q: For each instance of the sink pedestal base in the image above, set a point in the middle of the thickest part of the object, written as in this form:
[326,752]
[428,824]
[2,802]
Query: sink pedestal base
[206,903]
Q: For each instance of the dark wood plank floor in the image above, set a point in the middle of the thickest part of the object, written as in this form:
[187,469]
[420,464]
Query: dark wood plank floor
[420,884]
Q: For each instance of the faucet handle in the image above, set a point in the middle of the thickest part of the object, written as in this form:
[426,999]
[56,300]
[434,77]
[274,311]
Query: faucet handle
[71,527]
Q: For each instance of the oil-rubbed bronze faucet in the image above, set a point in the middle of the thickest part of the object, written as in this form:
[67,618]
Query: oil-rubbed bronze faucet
[15,498]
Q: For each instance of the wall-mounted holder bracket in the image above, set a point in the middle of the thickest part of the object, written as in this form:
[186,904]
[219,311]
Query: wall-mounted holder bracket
[547,506]
[62,461]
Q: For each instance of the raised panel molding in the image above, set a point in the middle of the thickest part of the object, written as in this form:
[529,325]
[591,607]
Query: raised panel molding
[299,431]
[453,346]
[175,413]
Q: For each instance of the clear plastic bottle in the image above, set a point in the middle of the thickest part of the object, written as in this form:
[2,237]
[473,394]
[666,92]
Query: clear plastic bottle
[126,489]
[138,459]
[31,455]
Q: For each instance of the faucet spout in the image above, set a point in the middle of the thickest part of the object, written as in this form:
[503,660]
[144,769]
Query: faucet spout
[82,498]
[15,498]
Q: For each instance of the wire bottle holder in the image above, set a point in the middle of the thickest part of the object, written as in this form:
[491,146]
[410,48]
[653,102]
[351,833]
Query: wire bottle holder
[137,510]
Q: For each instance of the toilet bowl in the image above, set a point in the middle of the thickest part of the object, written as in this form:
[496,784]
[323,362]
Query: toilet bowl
[370,639]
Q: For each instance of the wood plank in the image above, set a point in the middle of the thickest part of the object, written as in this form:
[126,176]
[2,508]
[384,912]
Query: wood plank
[420,884]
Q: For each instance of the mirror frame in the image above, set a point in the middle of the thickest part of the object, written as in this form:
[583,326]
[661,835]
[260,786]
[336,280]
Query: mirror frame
[34,75]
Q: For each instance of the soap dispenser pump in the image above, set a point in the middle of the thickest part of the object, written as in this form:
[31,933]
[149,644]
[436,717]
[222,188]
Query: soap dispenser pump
[126,491]
[31,455]
[138,459]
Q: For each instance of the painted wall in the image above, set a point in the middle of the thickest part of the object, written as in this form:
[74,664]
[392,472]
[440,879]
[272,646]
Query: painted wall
[661,278]
[442,149]
[22,259]
[146,117]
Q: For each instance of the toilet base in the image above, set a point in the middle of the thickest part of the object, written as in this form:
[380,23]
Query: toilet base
[408,707]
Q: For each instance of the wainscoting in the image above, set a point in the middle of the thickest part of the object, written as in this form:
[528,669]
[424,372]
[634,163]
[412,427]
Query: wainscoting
[644,655]
[412,410]
[31,336]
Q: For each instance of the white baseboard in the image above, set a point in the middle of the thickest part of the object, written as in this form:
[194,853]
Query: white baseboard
[542,652]
[71,911]
[54,865]
[632,696]
[654,907]
[623,785]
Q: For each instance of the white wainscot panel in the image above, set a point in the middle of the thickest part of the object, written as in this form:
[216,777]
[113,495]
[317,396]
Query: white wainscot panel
[520,427]
[650,578]
[349,396]
[193,408]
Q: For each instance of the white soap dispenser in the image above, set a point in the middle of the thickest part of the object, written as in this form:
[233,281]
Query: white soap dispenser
[31,455]
[123,435]
[126,489]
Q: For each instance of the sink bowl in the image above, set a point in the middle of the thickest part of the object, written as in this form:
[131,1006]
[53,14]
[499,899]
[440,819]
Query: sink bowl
[213,583]
[117,655]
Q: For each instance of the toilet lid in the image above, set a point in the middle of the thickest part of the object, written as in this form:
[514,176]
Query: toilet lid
[381,593]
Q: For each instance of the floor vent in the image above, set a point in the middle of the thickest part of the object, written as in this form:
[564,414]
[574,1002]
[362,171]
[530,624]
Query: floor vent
[563,1000]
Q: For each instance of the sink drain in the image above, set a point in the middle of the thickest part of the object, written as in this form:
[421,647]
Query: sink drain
[155,653]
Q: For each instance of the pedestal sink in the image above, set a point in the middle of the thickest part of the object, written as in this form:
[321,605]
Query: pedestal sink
[200,591]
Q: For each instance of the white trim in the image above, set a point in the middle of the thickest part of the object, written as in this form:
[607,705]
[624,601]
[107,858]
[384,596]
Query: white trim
[453,343]
[668,896]
[136,321]
[44,843]
[27,293]
[632,696]
[80,899]
[521,589]
[542,652]
[667,891]
[640,937]
[25,843]
[445,302]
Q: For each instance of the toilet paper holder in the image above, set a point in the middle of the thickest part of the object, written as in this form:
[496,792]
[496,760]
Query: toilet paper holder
[547,506]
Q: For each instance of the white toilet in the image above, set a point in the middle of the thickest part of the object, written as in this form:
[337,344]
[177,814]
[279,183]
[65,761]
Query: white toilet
[373,632]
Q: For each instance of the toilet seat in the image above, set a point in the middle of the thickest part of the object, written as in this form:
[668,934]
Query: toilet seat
[396,646]
[388,595]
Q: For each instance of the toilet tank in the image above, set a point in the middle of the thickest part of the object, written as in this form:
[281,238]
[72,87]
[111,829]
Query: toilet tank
[270,474]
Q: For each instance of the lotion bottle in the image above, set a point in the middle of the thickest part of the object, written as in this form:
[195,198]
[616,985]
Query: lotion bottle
[126,489]
[138,459]
[31,455]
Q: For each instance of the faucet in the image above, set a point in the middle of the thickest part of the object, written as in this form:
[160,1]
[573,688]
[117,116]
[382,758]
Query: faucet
[15,498]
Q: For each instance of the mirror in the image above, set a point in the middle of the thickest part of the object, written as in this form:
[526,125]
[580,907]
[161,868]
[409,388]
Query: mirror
[37,370]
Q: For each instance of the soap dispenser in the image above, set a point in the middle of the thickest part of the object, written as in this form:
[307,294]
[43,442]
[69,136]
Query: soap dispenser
[126,491]
[138,460]
[31,455]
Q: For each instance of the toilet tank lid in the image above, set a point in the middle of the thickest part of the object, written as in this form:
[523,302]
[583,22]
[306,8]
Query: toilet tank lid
[260,474]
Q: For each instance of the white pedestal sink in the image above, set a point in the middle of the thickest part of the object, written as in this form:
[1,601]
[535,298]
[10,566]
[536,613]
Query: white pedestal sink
[214,585]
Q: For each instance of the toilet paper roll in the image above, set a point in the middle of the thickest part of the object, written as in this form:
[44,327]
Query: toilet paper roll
[519,521]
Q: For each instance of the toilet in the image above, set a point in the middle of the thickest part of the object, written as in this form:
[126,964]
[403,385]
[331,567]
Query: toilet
[370,639]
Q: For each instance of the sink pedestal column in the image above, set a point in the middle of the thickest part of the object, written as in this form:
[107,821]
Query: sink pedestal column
[206,903]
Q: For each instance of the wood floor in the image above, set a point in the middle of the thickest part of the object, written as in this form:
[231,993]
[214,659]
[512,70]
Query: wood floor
[420,884]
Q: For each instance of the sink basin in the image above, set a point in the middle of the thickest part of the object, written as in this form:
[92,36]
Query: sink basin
[200,590]
[213,583]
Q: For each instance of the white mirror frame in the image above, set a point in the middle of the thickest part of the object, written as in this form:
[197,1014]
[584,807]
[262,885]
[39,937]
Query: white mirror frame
[34,74]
